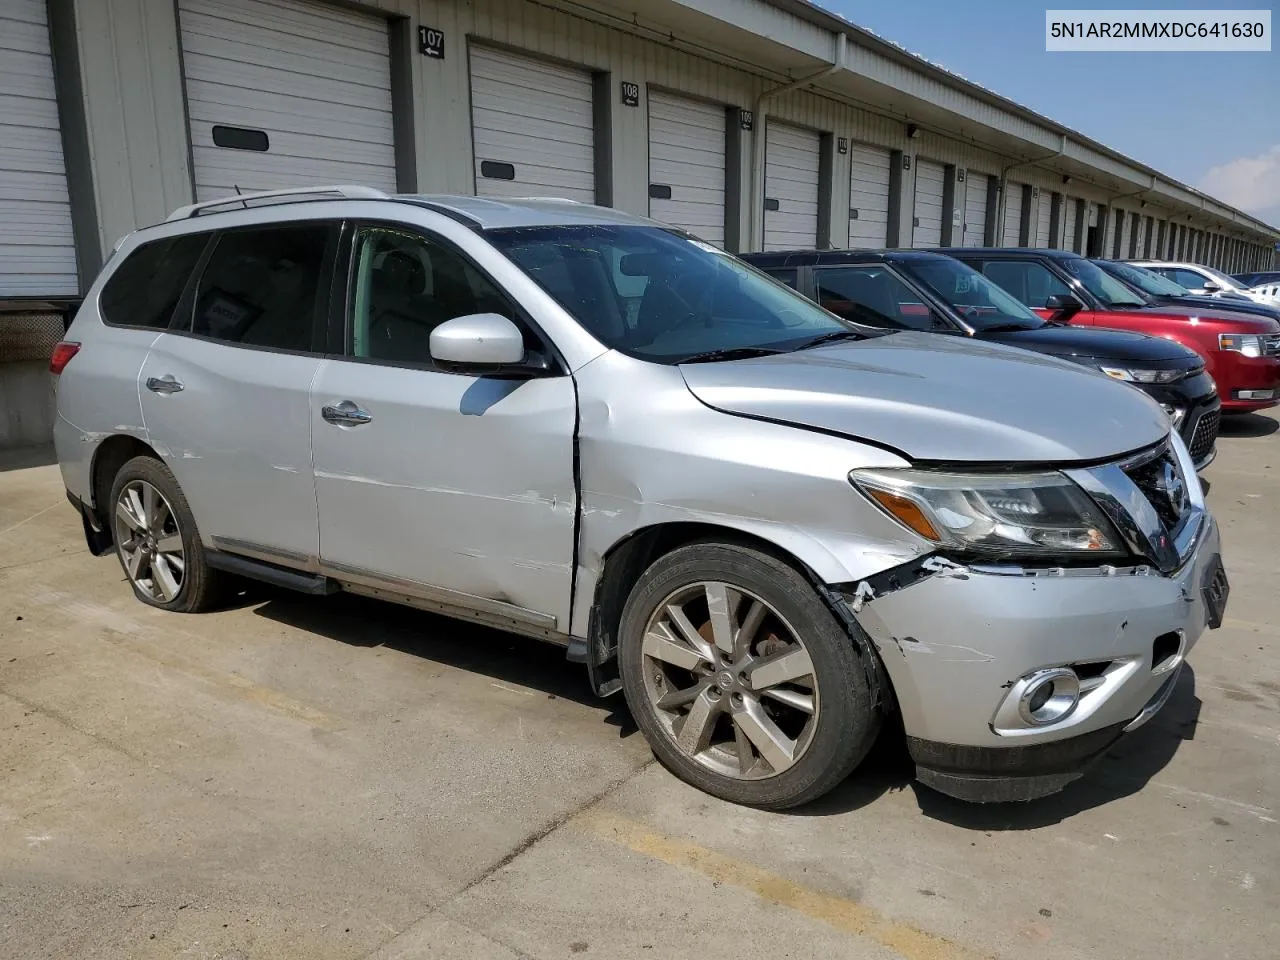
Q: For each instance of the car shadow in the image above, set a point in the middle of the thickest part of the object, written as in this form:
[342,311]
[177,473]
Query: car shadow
[507,657]
[24,458]
[1248,425]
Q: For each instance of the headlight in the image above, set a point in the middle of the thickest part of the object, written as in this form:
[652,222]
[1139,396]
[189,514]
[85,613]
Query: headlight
[996,515]
[1143,376]
[1175,413]
[1245,343]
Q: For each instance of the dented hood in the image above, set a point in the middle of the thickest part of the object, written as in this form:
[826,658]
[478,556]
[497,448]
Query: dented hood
[939,398]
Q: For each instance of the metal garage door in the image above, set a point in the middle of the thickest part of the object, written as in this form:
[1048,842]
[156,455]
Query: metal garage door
[686,165]
[1140,240]
[282,93]
[1044,213]
[1126,233]
[790,187]
[927,229]
[868,196]
[1012,214]
[37,253]
[1070,206]
[975,208]
[532,125]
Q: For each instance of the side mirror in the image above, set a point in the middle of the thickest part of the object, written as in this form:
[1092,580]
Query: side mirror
[1211,287]
[1064,307]
[482,343]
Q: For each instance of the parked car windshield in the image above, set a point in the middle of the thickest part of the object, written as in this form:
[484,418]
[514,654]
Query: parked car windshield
[1145,281]
[982,304]
[662,296]
[1101,284]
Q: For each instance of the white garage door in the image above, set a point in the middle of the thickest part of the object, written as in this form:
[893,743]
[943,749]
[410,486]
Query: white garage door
[1126,233]
[790,188]
[1141,249]
[686,165]
[1070,206]
[1044,214]
[868,196]
[1012,214]
[532,125]
[283,94]
[975,209]
[37,253]
[927,229]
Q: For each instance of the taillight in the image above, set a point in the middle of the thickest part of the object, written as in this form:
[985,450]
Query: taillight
[62,355]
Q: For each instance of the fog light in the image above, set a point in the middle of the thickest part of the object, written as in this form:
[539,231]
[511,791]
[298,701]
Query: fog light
[1255,394]
[1049,696]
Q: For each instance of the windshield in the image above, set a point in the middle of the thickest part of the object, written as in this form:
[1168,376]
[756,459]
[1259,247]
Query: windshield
[982,304]
[1101,284]
[658,295]
[1145,280]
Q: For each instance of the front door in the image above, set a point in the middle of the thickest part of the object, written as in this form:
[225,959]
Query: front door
[225,392]
[454,487]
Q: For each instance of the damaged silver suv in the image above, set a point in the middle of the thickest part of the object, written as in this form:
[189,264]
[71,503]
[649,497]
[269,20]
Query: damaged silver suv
[767,527]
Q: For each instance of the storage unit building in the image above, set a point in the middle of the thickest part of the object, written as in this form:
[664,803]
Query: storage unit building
[792,161]
[283,93]
[931,180]
[868,195]
[687,164]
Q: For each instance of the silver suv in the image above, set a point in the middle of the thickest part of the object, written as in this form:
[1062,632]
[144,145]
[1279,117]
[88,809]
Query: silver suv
[766,526]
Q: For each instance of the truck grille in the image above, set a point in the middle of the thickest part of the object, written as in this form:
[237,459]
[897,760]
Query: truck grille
[1270,344]
[1206,432]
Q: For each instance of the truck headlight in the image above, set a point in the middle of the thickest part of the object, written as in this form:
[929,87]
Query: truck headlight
[1248,344]
[995,515]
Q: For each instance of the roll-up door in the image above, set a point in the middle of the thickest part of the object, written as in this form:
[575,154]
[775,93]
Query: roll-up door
[1069,209]
[37,250]
[975,209]
[1044,214]
[930,180]
[1012,214]
[686,165]
[282,94]
[532,126]
[1140,238]
[1126,234]
[790,187]
[868,196]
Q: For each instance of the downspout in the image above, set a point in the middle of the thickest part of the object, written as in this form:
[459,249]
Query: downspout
[758,142]
[1004,181]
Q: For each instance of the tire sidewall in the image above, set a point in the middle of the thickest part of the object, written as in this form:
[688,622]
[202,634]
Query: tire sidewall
[157,474]
[847,721]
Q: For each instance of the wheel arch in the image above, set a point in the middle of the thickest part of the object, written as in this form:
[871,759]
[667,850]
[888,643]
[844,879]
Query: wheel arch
[112,454]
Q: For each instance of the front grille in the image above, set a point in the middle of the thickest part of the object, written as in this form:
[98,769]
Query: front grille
[1161,482]
[1206,433]
[1270,344]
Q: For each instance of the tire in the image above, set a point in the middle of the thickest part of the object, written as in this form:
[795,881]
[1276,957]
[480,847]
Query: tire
[169,567]
[703,705]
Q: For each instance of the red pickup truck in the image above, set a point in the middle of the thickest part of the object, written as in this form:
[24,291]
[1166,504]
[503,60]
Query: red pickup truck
[1241,351]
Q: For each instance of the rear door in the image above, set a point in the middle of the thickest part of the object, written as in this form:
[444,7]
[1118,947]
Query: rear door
[225,391]
[457,489]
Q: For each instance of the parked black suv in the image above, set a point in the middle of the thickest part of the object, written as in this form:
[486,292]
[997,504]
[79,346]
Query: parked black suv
[916,290]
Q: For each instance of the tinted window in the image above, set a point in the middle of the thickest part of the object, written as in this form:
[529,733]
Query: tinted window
[983,304]
[1101,284]
[661,296]
[262,287]
[1028,281]
[405,286]
[146,288]
[874,295]
[1187,278]
[788,275]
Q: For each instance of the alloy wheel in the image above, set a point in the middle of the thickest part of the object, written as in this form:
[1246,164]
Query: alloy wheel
[730,680]
[150,542]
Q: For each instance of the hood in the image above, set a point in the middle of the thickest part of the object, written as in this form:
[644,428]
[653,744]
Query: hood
[1091,343]
[1215,306]
[936,397]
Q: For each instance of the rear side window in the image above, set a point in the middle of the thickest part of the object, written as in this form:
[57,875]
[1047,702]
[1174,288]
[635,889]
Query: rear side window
[1028,281]
[146,288]
[261,288]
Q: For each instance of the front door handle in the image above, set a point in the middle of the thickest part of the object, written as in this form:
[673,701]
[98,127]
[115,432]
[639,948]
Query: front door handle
[166,384]
[344,413]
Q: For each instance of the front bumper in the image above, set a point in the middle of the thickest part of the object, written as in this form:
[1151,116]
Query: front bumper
[1235,372]
[955,644]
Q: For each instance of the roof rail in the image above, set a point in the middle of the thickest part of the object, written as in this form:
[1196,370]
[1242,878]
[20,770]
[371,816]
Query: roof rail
[349,192]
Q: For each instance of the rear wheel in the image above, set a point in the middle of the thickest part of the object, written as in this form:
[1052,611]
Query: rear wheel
[157,542]
[741,679]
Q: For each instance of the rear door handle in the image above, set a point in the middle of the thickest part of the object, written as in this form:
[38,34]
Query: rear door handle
[166,384]
[344,413]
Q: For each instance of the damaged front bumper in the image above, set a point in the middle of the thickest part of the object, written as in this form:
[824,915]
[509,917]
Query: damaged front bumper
[964,648]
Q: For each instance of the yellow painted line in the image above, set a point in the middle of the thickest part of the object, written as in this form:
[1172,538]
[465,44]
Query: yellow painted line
[840,913]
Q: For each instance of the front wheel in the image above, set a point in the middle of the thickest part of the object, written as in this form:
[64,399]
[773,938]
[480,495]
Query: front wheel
[741,679]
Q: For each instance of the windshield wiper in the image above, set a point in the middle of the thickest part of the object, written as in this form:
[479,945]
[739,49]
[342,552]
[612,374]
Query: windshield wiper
[832,337]
[1006,328]
[734,353]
